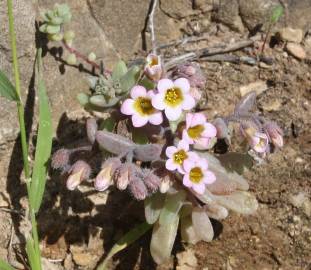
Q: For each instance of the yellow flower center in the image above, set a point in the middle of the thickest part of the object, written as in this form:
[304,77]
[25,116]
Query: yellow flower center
[173,97]
[196,131]
[153,61]
[143,106]
[180,156]
[196,175]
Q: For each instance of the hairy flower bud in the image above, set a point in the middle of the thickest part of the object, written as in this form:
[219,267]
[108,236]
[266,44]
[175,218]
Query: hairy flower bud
[151,180]
[91,56]
[71,59]
[193,73]
[138,188]
[153,68]
[104,178]
[122,176]
[79,171]
[221,127]
[275,133]
[60,159]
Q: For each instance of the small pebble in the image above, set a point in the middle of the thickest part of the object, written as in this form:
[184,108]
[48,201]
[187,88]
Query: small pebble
[290,34]
[296,50]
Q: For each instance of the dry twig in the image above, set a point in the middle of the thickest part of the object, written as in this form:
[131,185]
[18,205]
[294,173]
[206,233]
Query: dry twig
[151,25]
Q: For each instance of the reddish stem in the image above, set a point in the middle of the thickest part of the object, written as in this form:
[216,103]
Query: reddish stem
[83,57]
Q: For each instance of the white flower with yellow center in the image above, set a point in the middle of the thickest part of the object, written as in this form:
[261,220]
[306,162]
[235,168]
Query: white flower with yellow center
[173,97]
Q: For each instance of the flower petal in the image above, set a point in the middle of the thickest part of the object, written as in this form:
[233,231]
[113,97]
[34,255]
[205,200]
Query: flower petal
[188,164]
[183,84]
[139,121]
[158,101]
[186,137]
[203,163]
[199,188]
[164,84]
[189,117]
[209,177]
[193,156]
[203,142]
[170,165]
[188,102]
[138,91]
[180,169]
[182,144]
[209,130]
[156,118]
[186,181]
[198,119]
[127,107]
[173,114]
[170,151]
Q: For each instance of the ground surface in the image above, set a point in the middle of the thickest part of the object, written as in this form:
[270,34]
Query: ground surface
[76,228]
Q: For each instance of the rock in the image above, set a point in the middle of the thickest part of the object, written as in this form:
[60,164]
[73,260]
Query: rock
[290,34]
[187,260]
[298,199]
[275,105]
[256,13]
[258,86]
[177,9]
[4,200]
[306,207]
[47,265]
[228,14]
[296,50]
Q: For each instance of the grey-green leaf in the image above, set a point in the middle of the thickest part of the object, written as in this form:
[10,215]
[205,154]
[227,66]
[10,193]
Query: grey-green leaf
[202,224]
[119,70]
[7,89]
[187,231]
[83,99]
[129,79]
[44,142]
[125,241]
[162,241]
[172,205]
[153,206]
[5,266]
[100,101]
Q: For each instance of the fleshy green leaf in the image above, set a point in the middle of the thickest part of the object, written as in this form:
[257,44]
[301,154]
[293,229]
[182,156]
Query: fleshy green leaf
[5,266]
[162,241]
[237,162]
[7,89]
[44,142]
[172,205]
[187,231]
[148,84]
[83,99]
[153,206]
[277,12]
[100,101]
[119,70]
[33,258]
[130,78]
[125,241]
[108,124]
[140,136]
[52,29]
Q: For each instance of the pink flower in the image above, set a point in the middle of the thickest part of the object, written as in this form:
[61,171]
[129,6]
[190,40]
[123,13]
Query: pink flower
[257,140]
[153,68]
[173,97]
[198,131]
[177,156]
[197,176]
[140,107]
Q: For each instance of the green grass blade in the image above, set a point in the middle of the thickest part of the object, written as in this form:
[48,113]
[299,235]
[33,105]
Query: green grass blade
[5,266]
[44,142]
[277,13]
[33,258]
[7,89]
[125,241]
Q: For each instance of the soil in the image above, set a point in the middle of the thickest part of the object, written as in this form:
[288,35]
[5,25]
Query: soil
[79,226]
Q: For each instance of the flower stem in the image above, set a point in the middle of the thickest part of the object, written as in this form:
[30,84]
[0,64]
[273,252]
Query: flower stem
[21,118]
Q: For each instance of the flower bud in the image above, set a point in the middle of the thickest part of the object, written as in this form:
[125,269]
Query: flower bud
[121,176]
[193,73]
[91,57]
[221,127]
[153,68]
[275,133]
[151,180]
[138,188]
[79,171]
[71,59]
[104,178]
[166,183]
[60,158]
